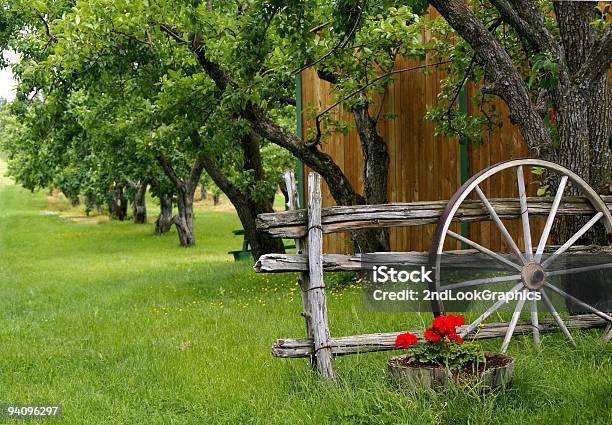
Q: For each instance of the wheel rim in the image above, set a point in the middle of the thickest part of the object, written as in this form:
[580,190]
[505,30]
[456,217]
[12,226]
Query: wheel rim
[531,269]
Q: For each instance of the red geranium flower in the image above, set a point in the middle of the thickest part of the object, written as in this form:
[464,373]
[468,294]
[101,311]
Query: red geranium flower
[440,324]
[405,340]
[432,335]
[443,322]
[453,321]
[454,336]
[445,326]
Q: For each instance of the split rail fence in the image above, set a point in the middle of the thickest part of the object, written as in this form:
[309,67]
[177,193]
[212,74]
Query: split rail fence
[307,227]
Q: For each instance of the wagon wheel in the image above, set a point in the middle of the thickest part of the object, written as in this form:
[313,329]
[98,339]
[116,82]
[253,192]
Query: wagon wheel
[532,271]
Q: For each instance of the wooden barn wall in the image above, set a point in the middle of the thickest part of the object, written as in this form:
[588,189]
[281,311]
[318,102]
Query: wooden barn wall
[422,166]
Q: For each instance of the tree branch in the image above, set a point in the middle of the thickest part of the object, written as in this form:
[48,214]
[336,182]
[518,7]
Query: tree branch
[47,29]
[52,37]
[215,71]
[260,122]
[449,111]
[327,75]
[340,45]
[526,19]
[506,79]
[320,162]
[287,100]
[169,171]
[541,104]
[147,42]
[170,31]
[375,80]
[511,17]
[198,166]
[215,173]
[598,61]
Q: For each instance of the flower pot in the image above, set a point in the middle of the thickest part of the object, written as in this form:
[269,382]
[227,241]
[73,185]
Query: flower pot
[494,373]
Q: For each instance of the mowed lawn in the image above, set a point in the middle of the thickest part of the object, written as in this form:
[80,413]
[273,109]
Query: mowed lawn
[123,327]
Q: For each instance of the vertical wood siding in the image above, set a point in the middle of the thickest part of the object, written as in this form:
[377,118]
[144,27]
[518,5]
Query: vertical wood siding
[422,166]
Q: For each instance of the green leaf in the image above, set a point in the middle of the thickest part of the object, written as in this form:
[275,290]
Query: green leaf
[542,190]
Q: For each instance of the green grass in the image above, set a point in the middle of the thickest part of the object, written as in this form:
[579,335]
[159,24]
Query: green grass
[123,327]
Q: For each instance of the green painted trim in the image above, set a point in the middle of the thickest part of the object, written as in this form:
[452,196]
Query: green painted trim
[464,159]
[299,129]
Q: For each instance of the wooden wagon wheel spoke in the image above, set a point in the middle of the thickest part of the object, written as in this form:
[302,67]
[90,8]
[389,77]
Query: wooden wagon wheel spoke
[500,225]
[555,315]
[579,302]
[579,270]
[484,250]
[535,322]
[571,241]
[551,218]
[483,281]
[515,317]
[520,177]
[484,316]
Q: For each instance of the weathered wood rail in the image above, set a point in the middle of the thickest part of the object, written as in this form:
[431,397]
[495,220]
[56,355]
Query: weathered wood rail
[285,263]
[307,227]
[303,347]
[293,224]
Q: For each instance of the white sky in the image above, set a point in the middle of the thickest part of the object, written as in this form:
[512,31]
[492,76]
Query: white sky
[7,83]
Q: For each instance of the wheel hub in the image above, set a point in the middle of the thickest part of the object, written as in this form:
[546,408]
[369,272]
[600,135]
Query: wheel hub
[533,276]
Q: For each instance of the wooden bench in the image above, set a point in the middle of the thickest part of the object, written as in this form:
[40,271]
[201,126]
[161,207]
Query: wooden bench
[245,253]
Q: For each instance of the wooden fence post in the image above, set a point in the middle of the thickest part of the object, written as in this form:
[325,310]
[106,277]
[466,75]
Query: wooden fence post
[301,246]
[316,287]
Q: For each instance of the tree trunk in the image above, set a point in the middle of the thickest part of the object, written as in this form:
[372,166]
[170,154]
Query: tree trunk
[339,185]
[112,204]
[578,135]
[163,224]
[185,190]
[216,198]
[283,190]
[251,206]
[246,207]
[118,203]
[74,199]
[580,97]
[91,203]
[375,172]
[122,203]
[184,219]
[583,107]
[203,191]
[583,112]
[260,244]
[139,205]
[583,149]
